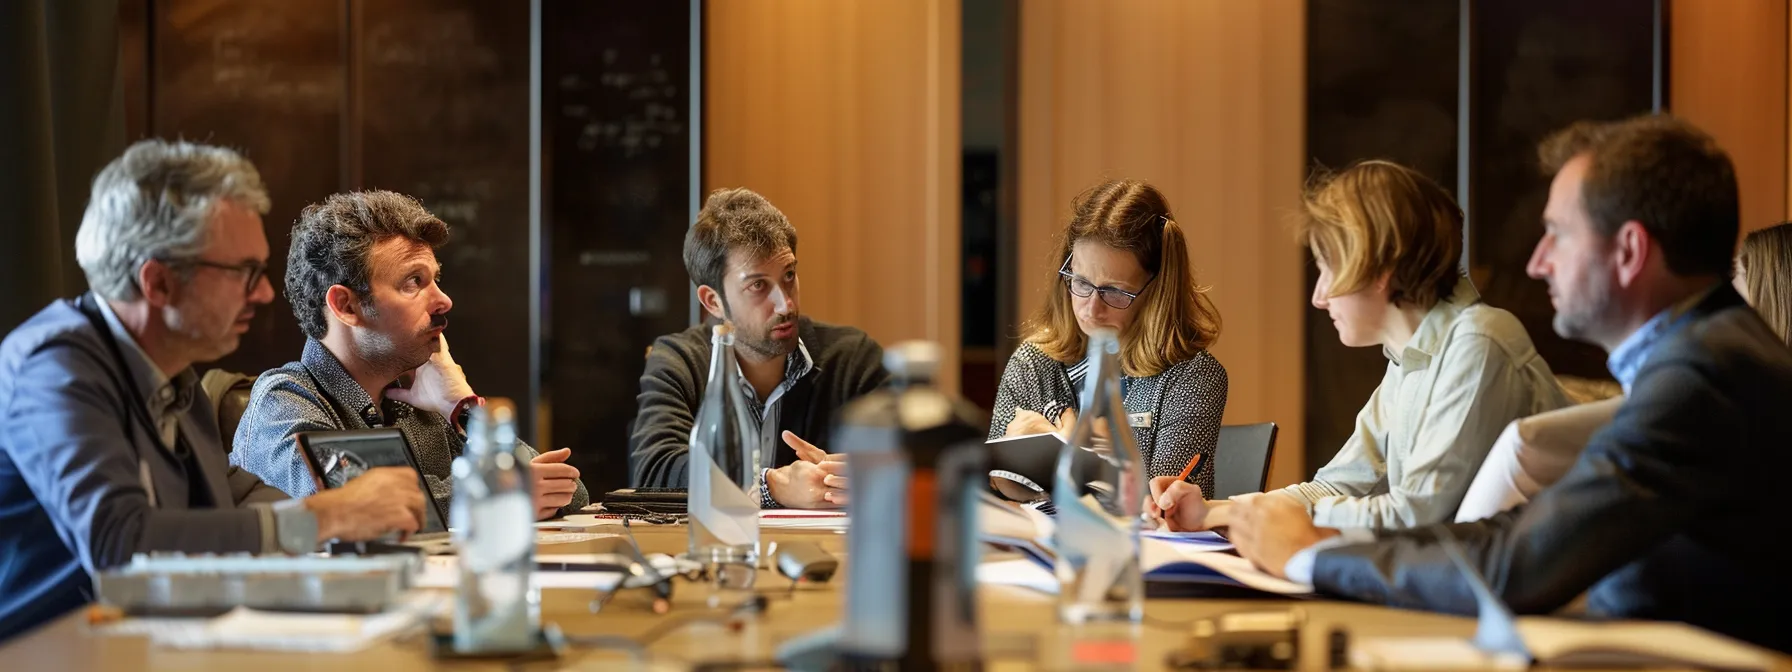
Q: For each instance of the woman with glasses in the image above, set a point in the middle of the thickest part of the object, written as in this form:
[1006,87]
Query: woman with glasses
[1388,242]
[1124,266]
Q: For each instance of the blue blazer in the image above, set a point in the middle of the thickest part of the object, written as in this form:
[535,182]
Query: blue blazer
[1674,511]
[72,501]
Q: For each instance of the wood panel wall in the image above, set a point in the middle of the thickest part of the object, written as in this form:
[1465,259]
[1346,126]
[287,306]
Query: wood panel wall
[1204,100]
[845,115]
[1728,70]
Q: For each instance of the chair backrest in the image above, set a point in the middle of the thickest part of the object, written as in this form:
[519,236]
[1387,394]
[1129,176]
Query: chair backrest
[1241,462]
[229,393]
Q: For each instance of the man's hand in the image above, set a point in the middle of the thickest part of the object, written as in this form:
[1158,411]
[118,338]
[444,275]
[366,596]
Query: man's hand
[817,480]
[555,482]
[383,500]
[1178,503]
[1268,529]
[439,385]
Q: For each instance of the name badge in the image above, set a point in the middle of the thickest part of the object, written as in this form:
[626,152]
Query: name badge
[1139,419]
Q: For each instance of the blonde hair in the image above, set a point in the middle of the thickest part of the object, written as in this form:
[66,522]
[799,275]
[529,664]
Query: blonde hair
[1379,217]
[1766,258]
[1176,321]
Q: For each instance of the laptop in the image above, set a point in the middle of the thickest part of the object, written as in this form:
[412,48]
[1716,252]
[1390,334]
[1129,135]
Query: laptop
[337,457]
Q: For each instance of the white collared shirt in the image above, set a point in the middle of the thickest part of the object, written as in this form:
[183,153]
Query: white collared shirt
[1468,370]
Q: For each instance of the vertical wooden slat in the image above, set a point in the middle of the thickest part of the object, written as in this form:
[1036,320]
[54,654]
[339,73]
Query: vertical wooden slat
[1204,101]
[1728,74]
[845,116]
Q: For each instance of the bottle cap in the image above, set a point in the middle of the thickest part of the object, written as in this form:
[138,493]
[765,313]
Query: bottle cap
[913,361]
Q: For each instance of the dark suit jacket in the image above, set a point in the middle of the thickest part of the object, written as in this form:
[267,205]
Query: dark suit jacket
[71,500]
[1674,511]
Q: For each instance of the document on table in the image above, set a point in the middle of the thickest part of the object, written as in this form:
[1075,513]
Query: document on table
[443,571]
[245,628]
[1203,540]
[801,519]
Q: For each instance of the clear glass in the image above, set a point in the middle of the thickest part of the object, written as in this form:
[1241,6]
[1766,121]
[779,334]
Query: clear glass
[493,519]
[1100,502]
[724,478]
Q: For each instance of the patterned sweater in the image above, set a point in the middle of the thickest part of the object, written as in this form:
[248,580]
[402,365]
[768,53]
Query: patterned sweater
[1174,414]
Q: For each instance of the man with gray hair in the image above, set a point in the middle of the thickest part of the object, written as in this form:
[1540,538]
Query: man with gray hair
[103,452]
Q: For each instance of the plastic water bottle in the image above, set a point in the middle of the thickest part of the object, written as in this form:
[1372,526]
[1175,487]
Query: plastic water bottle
[916,462]
[493,517]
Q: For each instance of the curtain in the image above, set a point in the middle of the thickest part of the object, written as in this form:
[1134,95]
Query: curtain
[61,119]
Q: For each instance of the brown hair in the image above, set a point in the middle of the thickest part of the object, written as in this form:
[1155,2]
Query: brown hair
[1178,320]
[1766,258]
[1662,172]
[332,244]
[733,219]
[1379,217]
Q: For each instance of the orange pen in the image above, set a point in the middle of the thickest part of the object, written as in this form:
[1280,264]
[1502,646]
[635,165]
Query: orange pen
[1190,468]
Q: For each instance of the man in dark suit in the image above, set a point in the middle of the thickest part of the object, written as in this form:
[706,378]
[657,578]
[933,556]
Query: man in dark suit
[104,450]
[1674,510]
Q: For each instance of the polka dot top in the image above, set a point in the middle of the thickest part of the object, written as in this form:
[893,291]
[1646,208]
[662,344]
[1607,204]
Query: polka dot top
[1175,414]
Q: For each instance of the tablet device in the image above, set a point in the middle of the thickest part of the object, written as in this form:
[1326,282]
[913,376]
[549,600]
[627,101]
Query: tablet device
[672,501]
[1035,457]
[336,457]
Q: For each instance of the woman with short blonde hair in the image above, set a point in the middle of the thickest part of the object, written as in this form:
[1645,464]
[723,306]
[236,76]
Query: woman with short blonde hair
[1122,263]
[1388,242]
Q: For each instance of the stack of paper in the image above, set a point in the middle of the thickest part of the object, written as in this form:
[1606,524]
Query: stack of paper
[799,519]
[1181,557]
[444,572]
[244,628]
[1204,540]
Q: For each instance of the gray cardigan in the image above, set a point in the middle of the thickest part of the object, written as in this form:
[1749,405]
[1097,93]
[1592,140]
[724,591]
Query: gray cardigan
[1175,414]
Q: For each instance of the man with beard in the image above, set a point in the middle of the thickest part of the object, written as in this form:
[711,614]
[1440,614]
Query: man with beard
[107,447]
[796,373]
[1671,510]
[362,278]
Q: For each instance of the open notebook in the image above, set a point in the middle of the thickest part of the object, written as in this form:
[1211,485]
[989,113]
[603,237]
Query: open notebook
[1164,557]
[1504,642]
[1556,642]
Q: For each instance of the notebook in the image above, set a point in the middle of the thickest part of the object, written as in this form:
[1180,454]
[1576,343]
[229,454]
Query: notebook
[1556,642]
[1166,558]
[1504,642]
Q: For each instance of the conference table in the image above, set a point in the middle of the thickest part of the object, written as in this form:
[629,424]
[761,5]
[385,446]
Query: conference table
[1018,624]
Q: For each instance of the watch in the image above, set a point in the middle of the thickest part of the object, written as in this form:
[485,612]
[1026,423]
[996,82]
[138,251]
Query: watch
[295,527]
[463,412]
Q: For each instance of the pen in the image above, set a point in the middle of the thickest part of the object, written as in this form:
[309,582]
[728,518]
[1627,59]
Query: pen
[1190,469]
[1158,523]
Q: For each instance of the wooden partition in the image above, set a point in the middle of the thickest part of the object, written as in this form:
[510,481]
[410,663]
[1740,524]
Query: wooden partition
[1203,100]
[845,116]
[1728,74]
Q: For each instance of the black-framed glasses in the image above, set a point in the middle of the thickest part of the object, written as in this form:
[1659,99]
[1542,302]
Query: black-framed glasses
[253,271]
[1116,298]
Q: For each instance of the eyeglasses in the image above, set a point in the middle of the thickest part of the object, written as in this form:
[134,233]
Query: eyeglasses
[1118,299]
[253,271]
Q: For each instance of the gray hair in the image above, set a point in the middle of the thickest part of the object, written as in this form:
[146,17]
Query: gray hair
[155,202]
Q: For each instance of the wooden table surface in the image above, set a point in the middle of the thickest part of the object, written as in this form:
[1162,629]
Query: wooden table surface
[1019,626]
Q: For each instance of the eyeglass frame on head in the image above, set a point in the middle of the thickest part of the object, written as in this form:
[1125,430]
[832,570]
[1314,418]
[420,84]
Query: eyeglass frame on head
[1071,280]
